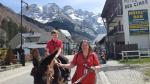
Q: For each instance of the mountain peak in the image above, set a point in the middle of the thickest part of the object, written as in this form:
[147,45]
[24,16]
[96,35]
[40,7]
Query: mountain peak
[84,21]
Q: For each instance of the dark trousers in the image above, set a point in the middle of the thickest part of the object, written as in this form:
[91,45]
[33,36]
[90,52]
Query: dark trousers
[64,60]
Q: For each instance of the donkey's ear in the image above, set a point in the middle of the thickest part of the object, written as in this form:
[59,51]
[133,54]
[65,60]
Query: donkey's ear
[53,54]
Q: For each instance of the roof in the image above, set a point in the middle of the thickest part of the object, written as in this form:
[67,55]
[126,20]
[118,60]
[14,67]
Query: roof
[65,32]
[31,34]
[99,38]
[106,7]
[32,45]
[45,36]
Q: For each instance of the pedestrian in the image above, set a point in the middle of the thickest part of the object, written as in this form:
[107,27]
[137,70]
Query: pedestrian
[56,44]
[103,56]
[87,63]
[35,60]
[21,56]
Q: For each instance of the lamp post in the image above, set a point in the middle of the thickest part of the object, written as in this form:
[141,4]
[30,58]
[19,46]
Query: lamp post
[22,56]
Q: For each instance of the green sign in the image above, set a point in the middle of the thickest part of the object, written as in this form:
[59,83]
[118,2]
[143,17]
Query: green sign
[138,22]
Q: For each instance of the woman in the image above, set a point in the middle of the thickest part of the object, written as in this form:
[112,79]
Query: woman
[87,63]
[35,60]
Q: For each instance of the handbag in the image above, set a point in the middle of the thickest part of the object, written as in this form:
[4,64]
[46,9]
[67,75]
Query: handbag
[33,71]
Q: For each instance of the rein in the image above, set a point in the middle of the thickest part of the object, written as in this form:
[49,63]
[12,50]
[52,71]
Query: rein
[85,74]
[50,75]
[80,79]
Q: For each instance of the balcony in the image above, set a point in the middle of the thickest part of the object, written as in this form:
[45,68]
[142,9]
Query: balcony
[116,16]
[117,29]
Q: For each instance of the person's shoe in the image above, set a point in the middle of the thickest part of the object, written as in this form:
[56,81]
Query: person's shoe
[69,78]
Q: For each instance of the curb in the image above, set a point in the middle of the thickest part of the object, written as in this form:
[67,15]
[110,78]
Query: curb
[103,77]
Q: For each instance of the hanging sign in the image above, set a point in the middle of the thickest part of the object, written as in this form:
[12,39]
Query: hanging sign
[138,21]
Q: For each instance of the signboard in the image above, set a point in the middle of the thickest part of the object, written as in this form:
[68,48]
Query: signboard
[134,3]
[138,21]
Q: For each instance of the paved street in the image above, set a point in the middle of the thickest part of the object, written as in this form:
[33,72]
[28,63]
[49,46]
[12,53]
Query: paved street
[21,75]
[111,73]
[17,76]
[122,74]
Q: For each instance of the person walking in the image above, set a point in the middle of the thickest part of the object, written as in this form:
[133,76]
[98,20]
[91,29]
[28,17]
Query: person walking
[87,63]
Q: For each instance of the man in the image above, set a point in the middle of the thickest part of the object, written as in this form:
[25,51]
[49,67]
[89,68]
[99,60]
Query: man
[56,44]
[21,56]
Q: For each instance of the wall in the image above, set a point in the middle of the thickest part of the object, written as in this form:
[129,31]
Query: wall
[141,39]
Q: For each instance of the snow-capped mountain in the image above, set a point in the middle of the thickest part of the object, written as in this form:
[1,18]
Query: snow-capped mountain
[84,21]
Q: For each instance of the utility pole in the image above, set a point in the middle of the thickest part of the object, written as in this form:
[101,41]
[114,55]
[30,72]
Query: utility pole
[21,51]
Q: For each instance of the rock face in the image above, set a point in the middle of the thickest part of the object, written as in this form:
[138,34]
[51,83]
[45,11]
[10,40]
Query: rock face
[81,24]
[85,22]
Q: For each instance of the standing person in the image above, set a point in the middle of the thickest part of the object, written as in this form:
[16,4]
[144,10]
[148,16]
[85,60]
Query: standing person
[56,44]
[87,63]
[35,61]
[103,56]
[21,56]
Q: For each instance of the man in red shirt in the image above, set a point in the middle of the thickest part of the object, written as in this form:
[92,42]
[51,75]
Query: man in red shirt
[56,44]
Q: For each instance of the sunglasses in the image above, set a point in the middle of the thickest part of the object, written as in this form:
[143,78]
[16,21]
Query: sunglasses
[85,41]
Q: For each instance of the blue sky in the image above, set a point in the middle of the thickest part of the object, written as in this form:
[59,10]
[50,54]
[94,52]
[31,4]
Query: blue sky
[89,5]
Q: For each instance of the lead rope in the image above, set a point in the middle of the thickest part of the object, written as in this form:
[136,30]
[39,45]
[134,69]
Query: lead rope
[80,79]
[85,72]
[84,75]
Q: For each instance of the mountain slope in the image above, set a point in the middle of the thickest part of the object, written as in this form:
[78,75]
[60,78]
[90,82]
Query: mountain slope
[6,13]
[78,20]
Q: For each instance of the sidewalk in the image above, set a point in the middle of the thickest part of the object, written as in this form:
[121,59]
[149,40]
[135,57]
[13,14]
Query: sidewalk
[122,74]
[9,74]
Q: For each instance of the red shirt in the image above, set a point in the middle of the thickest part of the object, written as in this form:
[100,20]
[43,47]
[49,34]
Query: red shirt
[52,45]
[79,61]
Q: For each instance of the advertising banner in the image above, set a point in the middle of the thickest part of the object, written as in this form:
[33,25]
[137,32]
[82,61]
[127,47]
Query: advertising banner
[138,21]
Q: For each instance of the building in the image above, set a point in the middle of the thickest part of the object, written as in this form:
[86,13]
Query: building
[127,24]
[39,40]
[99,41]
[136,22]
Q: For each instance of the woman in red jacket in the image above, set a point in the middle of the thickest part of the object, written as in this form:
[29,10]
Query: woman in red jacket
[87,63]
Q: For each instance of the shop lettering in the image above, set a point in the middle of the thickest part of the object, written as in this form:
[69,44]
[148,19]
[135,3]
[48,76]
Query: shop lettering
[135,4]
[139,3]
[129,1]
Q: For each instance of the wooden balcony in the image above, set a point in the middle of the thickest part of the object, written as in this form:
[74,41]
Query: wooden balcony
[117,29]
[116,16]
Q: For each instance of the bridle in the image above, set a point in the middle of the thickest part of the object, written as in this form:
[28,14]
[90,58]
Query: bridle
[51,72]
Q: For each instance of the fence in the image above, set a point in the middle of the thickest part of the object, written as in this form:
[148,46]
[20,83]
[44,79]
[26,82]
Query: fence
[135,53]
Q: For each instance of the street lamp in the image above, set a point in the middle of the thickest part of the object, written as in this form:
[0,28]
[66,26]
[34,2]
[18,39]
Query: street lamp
[22,56]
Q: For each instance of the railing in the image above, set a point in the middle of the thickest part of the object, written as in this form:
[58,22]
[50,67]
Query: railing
[136,53]
[117,13]
[127,54]
[117,29]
